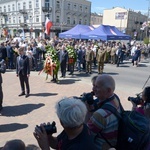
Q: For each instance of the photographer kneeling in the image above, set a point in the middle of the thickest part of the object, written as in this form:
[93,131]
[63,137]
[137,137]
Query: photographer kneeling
[75,136]
[144,101]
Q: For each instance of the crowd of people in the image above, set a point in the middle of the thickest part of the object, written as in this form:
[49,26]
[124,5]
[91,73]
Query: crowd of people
[88,53]
[85,126]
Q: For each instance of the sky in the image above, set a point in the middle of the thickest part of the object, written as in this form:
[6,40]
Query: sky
[137,5]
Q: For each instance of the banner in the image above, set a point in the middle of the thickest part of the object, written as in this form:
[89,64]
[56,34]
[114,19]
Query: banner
[120,15]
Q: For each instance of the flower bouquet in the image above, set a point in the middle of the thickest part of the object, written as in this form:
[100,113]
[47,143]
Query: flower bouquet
[71,54]
[51,64]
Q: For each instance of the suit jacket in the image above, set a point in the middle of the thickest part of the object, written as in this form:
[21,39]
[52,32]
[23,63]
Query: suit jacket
[3,52]
[2,70]
[63,57]
[22,65]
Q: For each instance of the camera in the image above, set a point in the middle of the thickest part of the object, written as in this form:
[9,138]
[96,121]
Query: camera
[137,100]
[87,97]
[49,128]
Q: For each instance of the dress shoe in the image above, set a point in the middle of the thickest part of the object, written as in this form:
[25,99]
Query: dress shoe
[21,94]
[1,107]
[27,95]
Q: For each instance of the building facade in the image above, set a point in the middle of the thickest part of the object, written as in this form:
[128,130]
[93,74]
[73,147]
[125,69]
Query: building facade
[127,21]
[96,19]
[31,15]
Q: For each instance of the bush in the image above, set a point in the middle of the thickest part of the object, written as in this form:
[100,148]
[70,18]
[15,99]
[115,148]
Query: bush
[146,40]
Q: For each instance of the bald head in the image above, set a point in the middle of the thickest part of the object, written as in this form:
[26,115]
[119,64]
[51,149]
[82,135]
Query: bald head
[104,87]
[106,81]
[14,145]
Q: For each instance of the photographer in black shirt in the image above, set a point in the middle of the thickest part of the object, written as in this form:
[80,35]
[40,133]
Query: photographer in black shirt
[75,136]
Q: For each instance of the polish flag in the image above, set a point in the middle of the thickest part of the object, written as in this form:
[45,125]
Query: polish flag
[48,25]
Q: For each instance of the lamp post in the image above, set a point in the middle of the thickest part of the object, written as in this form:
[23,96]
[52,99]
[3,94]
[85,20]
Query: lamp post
[62,16]
[148,12]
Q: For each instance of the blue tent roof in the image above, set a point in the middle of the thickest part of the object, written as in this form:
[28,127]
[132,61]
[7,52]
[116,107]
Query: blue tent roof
[106,32]
[76,31]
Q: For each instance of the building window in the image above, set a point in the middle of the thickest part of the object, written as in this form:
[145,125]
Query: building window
[19,19]
[9,8]
[80,8]
[85,21]
[0,9]
[80,21]
[9,20]
[68,20]
[47,3]
[18,6]
[69,6]
[14,20]
[86,9]
[74,21]
[58,4]
[24,5]
[1,21]
[57,19]
[4,8]
[30,5]
[25,19]
[37,19]
[75,7]
[37,4]
[13,7]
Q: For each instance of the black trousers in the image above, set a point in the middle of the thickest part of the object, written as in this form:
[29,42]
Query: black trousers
[63,69]
[1,94]
[24,81]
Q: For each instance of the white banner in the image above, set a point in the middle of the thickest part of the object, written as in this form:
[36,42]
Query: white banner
[120,15]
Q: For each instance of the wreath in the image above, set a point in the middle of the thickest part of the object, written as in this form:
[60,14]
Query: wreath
[71,54]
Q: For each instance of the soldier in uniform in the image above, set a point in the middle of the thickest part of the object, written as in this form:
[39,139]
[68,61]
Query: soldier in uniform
[101,57]
[113,54]
[108,51]
[89,56]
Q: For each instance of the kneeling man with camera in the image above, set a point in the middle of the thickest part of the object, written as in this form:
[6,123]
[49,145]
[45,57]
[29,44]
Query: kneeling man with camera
[75,136]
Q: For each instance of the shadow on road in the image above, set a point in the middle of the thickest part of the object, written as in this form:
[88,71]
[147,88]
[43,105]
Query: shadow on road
[44,94]
[142,65]
[67,81]
[111,73]
[20,109]
[12,127]
[123,66]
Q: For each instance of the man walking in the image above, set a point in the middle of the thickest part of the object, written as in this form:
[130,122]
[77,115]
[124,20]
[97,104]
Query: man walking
[23,72]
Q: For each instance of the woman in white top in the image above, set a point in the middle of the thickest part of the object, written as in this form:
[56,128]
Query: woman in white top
[29,54]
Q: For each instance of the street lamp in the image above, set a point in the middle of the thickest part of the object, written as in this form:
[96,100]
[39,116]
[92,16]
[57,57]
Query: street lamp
[62,23]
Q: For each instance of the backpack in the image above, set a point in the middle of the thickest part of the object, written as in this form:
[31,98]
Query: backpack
[133,130]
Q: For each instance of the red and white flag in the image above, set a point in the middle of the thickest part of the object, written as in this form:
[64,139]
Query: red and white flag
[48,25]
[144,25]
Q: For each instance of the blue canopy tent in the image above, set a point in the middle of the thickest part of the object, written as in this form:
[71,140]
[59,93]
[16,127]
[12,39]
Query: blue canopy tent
[105,33]
[76,31]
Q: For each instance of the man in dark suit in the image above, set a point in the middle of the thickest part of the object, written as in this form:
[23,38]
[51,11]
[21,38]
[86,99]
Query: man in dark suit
[23,71]
[2,70]
[63,57]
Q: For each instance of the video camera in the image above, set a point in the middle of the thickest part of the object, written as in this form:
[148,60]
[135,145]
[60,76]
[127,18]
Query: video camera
[87,97]
[137,100]
[49,128]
